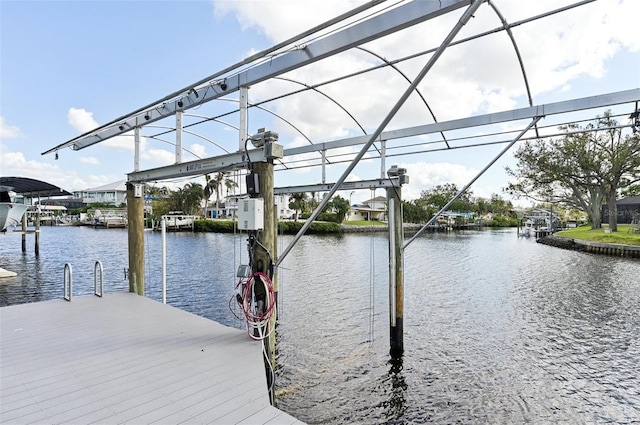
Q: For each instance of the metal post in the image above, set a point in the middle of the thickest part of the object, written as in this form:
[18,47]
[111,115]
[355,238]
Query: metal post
[244,103]
[163,228]
[324,166]
[383,158]
[136,149]
[179,137]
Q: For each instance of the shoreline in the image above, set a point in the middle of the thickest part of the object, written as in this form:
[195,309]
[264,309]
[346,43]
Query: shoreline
[601,248]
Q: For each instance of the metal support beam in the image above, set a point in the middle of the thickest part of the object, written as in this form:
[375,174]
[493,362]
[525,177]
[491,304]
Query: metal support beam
[384,183]
[232,161]
[592,102]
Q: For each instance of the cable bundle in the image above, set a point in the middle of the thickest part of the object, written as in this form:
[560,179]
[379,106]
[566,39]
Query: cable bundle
[257,315]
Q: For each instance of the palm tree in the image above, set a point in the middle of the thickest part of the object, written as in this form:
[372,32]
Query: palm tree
[208,189]
[188,198]
[298,202]
[229,184]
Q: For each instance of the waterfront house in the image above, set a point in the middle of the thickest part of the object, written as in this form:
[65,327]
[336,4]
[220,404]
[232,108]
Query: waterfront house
[113,193]
[628,208]
[373,209]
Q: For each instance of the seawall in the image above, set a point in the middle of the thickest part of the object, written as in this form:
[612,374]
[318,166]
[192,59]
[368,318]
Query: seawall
[613,249]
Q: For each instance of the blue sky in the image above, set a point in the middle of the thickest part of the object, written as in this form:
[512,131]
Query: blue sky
[67,66]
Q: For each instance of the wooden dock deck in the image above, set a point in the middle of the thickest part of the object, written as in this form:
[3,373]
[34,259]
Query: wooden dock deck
[124,358]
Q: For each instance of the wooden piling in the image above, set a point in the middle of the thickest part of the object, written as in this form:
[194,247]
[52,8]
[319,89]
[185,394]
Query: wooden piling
[24,232]
[135,219]
[37,232]
[261,260]
[396,272]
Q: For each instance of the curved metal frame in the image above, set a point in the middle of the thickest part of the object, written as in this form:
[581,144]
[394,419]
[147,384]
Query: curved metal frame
[68,283]
[188,132]
[97,267]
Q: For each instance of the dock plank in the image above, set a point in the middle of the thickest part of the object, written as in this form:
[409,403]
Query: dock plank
[124,358]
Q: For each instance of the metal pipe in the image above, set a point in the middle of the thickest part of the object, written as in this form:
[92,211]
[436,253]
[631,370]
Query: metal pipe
[163,228]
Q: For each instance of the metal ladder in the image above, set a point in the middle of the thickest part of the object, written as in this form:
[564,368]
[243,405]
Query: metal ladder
[98,280]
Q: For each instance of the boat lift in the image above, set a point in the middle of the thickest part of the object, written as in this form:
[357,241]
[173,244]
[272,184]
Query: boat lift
[268,155]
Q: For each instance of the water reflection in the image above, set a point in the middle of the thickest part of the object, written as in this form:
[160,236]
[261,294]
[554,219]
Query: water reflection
[395,407]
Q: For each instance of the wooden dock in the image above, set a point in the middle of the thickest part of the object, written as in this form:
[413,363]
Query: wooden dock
[124,358]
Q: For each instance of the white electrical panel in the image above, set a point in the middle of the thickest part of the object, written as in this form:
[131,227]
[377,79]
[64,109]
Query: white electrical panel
[251,214]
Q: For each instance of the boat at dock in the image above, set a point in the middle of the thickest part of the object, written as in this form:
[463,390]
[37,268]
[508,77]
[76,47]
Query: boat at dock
[176,221]
[10,212]
[109,218]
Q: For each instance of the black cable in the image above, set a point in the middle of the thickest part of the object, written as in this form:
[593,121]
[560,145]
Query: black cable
[246,151]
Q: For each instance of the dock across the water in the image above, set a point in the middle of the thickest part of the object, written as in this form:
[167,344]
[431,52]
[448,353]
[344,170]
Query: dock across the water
[124,358]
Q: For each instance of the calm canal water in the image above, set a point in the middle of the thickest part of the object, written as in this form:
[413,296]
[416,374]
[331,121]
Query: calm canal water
[497,329]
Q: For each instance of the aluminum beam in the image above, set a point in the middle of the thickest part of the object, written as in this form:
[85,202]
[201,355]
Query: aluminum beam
[556,108]
[326,187]
[238,160]
[378,26]
[232,161]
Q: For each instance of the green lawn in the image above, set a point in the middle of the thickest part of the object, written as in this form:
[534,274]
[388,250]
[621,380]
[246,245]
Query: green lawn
[622,236]
[365,223]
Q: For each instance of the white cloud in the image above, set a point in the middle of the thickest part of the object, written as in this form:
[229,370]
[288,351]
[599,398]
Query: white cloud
[8,131]
[92,160]
[16,164]
[424,175]
[158,157]
[198,150]
[81,120]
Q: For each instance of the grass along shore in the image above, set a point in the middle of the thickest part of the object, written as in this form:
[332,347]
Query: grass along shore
[585,233]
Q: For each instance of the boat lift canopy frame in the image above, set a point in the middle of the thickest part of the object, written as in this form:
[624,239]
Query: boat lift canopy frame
[237,78]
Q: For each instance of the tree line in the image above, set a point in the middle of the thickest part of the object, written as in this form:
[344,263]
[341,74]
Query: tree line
[432,200]
[188,199]
[585,168]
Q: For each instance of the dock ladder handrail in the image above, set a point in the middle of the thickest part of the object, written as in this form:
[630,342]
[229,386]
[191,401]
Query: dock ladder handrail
[68,281]
[97,268]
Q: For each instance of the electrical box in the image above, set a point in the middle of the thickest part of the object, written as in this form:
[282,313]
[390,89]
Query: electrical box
[253,185]
[137,191]
[273,151]
[251,214]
